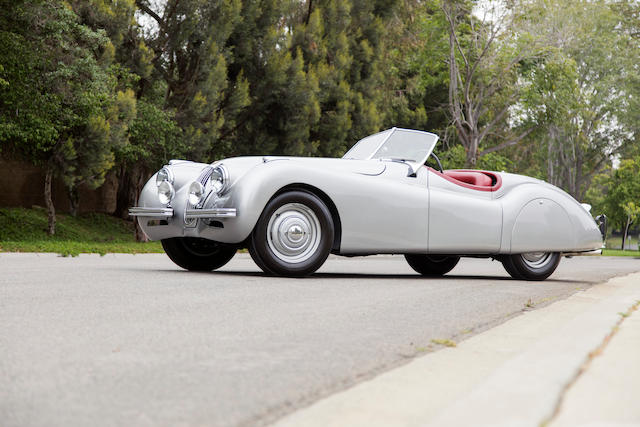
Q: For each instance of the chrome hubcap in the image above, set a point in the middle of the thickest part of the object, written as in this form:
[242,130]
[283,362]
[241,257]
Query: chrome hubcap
[293,233]
[536,259]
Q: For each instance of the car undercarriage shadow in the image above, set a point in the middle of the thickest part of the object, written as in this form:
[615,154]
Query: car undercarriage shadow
[378,276]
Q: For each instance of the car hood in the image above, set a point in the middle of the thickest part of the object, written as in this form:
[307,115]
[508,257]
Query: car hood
[238,166]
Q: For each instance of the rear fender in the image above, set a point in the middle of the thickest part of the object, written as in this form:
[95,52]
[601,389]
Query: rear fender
[540,217]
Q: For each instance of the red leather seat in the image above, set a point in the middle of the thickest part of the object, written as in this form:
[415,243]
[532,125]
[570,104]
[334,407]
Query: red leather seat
[470,177]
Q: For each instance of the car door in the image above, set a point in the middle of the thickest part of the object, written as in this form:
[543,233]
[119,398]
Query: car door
[462,220]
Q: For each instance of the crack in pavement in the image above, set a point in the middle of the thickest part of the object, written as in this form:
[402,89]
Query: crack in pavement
[587,362]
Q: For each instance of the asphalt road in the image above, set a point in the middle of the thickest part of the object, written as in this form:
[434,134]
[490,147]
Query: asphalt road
[125,340]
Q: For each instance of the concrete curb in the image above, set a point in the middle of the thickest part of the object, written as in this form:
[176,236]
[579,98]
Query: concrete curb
[513,374]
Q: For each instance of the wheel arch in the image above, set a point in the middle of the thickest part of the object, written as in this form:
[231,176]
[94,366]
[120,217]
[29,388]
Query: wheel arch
[335,215]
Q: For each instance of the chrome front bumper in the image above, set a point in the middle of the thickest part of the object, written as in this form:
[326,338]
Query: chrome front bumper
[211,213]
[151,212]
[189,214]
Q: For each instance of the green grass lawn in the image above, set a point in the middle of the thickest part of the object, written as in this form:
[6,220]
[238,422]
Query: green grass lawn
[25,230]
[618,252]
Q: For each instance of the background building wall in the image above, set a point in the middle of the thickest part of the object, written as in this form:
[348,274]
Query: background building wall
[23,186]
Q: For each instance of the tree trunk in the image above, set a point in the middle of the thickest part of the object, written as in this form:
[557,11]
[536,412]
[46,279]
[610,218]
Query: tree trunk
[472,153]
[140,236]
[74,200]
[625,231]
[550,174]
[306,21]
[130,182]
[122,195]
[51,210]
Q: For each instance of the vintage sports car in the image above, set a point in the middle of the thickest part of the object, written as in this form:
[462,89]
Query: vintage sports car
[380,198]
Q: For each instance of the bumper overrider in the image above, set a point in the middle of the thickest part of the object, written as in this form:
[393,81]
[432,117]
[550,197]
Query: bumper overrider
[189,213]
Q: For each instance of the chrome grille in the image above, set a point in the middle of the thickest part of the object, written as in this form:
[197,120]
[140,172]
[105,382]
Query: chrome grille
[205,175]
[202,179]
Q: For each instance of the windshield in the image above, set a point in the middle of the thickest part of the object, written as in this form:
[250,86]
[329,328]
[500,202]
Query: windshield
[395,144]
[366,146]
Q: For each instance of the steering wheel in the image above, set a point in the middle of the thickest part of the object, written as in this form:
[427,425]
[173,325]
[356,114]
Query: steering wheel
[437,161]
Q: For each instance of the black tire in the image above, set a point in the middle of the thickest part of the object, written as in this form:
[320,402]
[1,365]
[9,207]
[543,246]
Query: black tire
[528,267]
[197,254]
[300,239]
[432,265]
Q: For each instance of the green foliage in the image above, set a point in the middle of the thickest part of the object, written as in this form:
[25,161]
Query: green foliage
[616,193]
[191,57]
[456,158]
[453,158]
[484,55]
[60,106]
[622,189]
[320,84]
[581,92]
[154,138]
[27,111]
[631,210]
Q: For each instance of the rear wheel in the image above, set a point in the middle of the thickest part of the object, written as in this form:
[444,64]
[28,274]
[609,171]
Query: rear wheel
[531,265]
[432,265]
[293,236]
[197,254]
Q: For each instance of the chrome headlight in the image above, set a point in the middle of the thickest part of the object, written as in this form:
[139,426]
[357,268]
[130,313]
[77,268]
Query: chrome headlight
[165,192]
[219,179]
[164,174]
[196,192]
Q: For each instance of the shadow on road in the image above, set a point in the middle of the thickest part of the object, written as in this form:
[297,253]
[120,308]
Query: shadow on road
[409,276]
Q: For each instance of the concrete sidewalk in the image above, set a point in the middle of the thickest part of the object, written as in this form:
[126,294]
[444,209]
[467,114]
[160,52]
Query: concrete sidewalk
[574,362]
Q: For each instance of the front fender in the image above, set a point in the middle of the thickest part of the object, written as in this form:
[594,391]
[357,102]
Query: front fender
[250,194]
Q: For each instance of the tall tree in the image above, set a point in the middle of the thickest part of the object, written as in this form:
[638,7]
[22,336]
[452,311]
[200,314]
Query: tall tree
[347,46]
[284,106]
[621,189]
[147,130]
[55,108]
[189,39]
[582,92]
[484,60]
[416,81]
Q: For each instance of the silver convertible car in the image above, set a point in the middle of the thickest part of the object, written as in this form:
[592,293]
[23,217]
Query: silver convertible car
[380,198]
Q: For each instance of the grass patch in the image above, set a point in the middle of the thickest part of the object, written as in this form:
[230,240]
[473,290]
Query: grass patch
[25,230]
[618,252]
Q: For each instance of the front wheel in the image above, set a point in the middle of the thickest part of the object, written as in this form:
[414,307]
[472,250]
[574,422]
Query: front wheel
[293,236]
[531,265]
[197,254]
[432,265]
